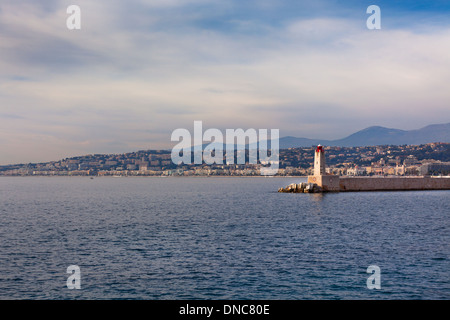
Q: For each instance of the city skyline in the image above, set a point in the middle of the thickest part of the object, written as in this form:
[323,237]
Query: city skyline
[387,160]
[136,71]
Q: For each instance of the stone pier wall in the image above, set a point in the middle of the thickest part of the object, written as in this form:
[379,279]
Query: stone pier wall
[333,183]
[392,183]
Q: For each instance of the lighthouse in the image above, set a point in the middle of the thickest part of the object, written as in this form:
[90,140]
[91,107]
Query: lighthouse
[319,161]
[328,182]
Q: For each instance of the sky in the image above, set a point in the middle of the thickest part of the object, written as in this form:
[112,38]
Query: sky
[139,69]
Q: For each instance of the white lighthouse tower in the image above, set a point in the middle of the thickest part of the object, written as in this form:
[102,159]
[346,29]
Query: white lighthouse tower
[319,161]
[327,182]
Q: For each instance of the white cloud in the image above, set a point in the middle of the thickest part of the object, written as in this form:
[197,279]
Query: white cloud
[121,83]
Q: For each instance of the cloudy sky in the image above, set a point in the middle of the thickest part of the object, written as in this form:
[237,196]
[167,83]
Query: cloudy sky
[139,69]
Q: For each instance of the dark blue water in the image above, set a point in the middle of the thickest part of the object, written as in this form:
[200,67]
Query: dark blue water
[218,238]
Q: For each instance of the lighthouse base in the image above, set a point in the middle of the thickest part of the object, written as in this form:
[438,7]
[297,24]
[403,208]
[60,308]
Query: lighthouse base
[328,183]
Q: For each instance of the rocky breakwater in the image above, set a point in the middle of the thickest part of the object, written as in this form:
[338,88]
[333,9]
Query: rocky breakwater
[301,188]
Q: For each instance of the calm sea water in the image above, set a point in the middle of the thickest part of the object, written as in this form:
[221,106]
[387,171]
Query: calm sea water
[218,238]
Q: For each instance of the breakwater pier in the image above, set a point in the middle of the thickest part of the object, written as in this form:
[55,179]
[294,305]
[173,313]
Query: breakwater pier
[322,182]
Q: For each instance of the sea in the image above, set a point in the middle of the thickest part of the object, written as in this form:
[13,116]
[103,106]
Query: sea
[218,238]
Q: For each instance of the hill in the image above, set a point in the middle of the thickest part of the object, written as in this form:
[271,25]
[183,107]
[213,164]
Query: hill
[377,135]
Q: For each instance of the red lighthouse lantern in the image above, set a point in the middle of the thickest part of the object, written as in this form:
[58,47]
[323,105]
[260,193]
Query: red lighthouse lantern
[319,148]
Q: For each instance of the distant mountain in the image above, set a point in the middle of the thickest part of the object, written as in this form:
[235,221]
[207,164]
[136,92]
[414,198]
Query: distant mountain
[372,136]
[377,135]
